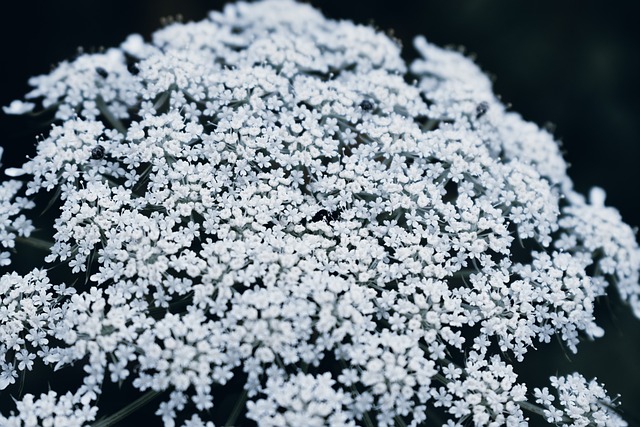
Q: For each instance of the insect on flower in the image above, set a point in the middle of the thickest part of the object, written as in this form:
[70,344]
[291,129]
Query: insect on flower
[97,152]
[102,72]
[326,216]
[482,109]
[366,105]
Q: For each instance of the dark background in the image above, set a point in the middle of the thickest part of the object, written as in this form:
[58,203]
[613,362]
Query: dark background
[574,64]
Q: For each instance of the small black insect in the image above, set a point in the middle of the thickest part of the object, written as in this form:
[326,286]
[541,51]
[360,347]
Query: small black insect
[321,215]
[482,109]
[325,215]
[366,105]
[97,152]
[102,72]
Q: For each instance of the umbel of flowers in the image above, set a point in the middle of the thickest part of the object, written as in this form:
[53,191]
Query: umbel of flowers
[274,204]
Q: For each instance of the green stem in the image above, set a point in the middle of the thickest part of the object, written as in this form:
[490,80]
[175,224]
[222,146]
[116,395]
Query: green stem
[162,98]
[531,407]
[367,420]
[22,380]
[113,120]
[127,410]
[237,408]
[527,406]
[34,242]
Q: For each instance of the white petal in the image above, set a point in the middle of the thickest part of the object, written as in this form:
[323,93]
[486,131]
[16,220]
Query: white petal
[133,45]
[597,196]
[19,107]
[14,172]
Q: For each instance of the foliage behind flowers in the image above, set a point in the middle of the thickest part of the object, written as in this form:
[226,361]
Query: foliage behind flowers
[272,205]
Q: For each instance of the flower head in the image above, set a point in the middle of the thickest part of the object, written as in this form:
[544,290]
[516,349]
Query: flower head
[262,198]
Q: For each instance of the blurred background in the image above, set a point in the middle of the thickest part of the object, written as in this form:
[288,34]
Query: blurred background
[574,65]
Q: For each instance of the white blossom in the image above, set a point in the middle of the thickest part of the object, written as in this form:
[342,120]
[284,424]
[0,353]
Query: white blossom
[578,401]
[261,198]
[13,223]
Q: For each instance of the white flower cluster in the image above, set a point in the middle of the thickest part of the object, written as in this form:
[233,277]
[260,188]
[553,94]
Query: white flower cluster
[50,410]
[262,197]
[597,234]
[582,403]
[12,222]
[25,314]
[303,400]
